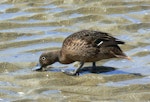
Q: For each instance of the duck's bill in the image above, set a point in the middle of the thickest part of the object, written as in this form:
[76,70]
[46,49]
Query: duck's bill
[41,68]
[37,68]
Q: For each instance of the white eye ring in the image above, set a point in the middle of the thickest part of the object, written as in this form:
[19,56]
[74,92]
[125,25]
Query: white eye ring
[43,58]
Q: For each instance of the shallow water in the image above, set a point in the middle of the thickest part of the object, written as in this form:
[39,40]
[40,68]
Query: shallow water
[29,27]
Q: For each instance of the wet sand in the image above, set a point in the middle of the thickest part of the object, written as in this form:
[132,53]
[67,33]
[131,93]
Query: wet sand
[28,27]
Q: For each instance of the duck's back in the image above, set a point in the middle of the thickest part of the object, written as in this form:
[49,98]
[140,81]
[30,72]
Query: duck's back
[88,46]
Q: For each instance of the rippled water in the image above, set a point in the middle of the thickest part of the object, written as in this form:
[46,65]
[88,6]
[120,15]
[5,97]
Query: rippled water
[29,27]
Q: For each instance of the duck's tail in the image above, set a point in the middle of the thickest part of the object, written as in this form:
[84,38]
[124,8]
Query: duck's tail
[117,52]
[124,57]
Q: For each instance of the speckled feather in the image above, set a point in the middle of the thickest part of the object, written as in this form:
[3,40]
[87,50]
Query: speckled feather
[90,46]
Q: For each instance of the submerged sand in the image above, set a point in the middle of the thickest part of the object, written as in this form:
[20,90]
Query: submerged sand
[29,27]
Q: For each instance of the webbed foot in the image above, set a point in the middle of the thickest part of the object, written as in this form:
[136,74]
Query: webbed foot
[75,72]
[71,73]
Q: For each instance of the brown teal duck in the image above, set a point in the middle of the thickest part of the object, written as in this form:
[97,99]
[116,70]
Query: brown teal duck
[84,46]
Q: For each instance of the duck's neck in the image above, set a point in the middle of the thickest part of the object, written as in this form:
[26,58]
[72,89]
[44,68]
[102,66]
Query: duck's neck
[60,57]
[56,55]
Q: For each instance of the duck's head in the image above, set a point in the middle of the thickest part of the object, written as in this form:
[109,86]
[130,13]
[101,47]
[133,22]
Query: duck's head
[48,58]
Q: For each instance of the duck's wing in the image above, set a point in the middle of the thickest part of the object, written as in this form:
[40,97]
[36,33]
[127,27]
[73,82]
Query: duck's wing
[106,43]
[89,37]
[97,38]
[104,39]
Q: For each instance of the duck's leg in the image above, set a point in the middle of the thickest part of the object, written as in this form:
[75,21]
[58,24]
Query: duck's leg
[75,72]
[93,70]
[94,64]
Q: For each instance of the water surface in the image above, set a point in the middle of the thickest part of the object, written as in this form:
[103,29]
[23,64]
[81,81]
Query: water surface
[29,27]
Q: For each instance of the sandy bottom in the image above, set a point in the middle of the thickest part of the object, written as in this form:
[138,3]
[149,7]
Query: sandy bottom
[27,28]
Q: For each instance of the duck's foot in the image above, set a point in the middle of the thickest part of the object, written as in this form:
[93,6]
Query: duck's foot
[75,72]
[71,73]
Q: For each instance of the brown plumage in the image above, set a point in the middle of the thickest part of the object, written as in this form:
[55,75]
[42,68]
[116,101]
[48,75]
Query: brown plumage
[84,46]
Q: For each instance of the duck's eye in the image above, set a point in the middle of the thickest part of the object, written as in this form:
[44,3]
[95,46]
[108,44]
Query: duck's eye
[43,58]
